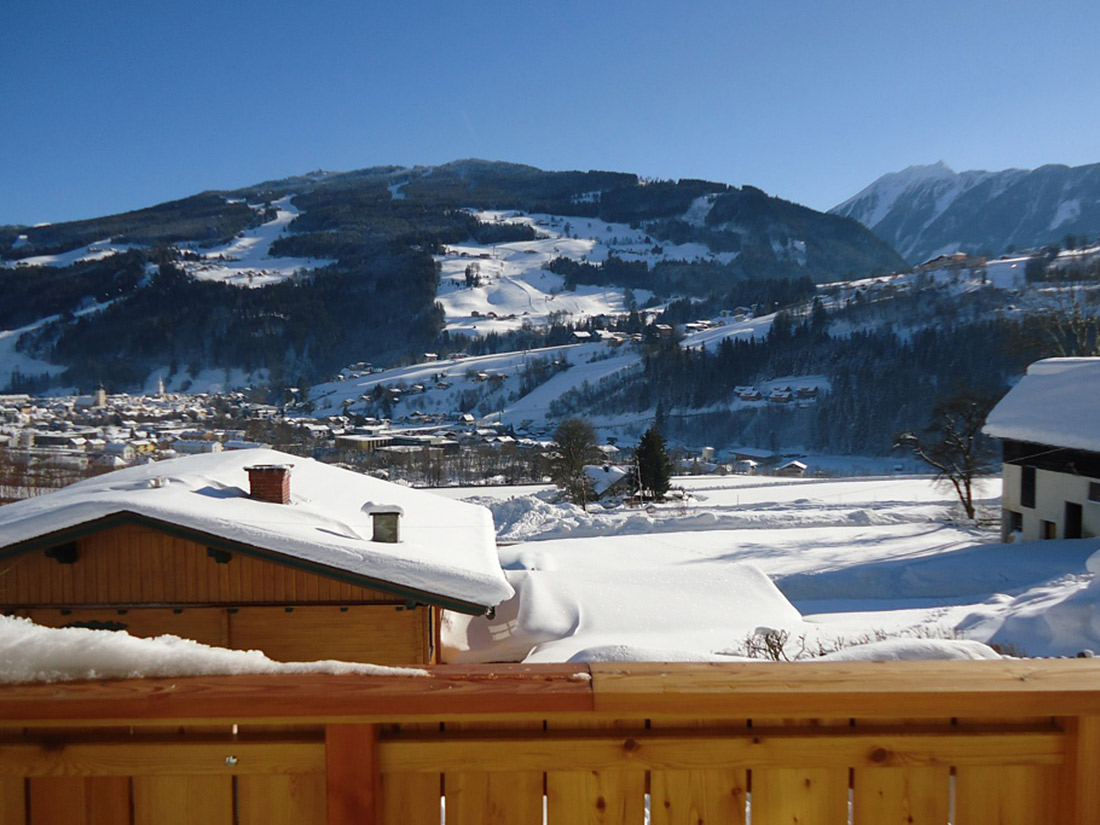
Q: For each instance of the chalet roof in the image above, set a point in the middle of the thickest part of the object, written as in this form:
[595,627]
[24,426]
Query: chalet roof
[447,548]
[1057,403]
[604,477]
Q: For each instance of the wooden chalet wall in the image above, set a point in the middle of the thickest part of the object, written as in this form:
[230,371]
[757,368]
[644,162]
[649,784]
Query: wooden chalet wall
[149,582]
[866,743]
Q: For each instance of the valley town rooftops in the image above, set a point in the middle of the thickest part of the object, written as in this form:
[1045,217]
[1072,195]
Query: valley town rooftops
[1057,403]
[446,553]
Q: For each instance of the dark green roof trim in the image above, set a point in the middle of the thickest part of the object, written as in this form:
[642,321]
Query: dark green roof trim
[128,518]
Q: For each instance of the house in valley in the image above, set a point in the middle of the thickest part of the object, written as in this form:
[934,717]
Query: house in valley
[1049,426]
[607,479]
[252,549]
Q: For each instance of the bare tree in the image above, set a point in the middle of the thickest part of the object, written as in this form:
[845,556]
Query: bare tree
[953,444]
[1069,323]
[576,447]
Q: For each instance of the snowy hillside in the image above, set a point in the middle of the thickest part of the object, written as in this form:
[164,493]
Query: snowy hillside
[244,261]
[924,211]
[513,287]
[494,382]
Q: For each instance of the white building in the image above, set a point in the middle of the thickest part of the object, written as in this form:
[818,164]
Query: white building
[1049,425]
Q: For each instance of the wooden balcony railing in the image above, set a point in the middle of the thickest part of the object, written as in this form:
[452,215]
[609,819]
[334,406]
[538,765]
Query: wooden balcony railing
[971,743]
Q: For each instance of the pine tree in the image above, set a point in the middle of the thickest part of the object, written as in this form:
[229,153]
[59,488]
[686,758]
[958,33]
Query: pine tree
[654,469]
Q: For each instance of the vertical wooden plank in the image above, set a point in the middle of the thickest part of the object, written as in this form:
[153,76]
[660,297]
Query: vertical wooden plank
[353,786]
[1081,772]
[183,800]
[1006,795]
[114,577]
[918,795]
[786,796]
[281,800]
[790,796]
[411,798]
[594,797]
[711,797]
[79,801]
[13,801]
[482,798]
[268,584]
[901,796]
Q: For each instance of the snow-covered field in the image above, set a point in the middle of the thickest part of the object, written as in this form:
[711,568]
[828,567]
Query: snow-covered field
[874,568]
[831,563]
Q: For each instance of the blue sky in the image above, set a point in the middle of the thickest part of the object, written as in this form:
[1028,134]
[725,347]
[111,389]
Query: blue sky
[111,106]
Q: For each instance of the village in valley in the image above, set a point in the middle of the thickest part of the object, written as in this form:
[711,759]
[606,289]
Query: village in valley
[486,414]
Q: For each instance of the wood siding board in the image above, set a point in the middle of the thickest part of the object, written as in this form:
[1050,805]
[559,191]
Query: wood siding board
[364,633]
[206,625]
[817,795]
[412,798]
[80,801]
[171,754]
[183,800]
[477,797]
[353,779]
[200,540]
[902,796]
[13,800]
[1005,795]
[591,796]
[925,689]
[294,799]
[699,797]
[680,750]
[1080,795]
[909,795]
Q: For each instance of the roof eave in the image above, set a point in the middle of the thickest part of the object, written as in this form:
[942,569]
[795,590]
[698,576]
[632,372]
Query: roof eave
[128,517]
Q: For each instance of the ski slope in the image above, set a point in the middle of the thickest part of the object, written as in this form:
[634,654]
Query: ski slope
[246,260]
[515,289]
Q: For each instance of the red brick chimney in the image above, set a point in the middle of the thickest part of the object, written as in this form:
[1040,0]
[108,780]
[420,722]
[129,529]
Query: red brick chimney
[270,482]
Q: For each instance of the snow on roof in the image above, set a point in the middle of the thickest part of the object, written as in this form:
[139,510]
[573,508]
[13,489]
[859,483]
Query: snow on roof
[448,548]
[603,477]
[1057,403]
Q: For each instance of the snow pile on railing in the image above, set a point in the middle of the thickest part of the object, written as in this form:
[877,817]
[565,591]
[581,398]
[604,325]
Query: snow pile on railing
[32,653]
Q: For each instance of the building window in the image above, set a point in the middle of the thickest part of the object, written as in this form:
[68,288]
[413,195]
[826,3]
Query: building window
[1094,491]
[1015,521]
[1049,530]
[1074,521]
[1027,487]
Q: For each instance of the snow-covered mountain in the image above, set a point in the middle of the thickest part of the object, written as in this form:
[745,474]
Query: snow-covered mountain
[286,281]
[924,211]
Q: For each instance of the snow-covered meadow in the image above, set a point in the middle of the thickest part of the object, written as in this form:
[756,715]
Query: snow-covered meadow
[832,565]
[868,568]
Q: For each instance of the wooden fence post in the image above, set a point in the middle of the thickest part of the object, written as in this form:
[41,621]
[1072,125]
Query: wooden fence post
[1081,791]
[353,781]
